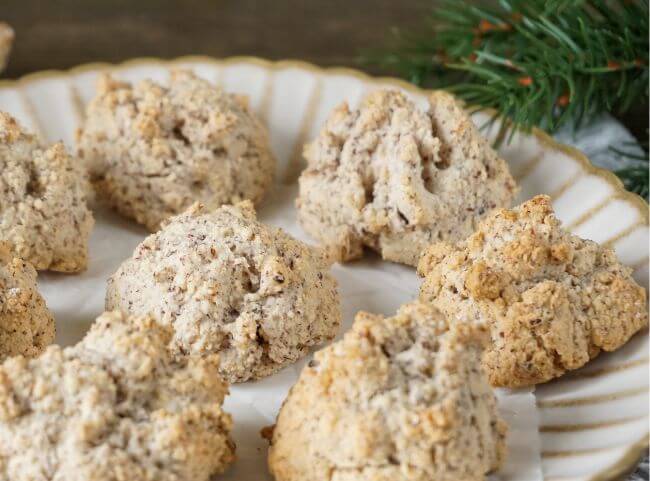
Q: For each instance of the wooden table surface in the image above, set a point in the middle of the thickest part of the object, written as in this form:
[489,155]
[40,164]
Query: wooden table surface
[63,33]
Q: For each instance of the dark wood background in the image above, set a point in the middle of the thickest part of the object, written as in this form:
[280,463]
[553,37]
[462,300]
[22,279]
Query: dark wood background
[63,33]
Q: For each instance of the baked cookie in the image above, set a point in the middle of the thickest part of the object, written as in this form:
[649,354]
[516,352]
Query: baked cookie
[152,151]
[6,40]
[114,407]
[43,194]
[229,284]
[393,178]
[551,300]
[26,324]
[398,399]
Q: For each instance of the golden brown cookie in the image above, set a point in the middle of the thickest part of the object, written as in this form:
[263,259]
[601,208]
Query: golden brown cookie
[551,300]
[398,399]
[152,151]
[117,406]
[227,283]
[393,178]
[26,324]
[43,194]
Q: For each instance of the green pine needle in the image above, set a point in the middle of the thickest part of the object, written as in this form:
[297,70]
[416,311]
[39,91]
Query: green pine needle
[545,63]
[635,179]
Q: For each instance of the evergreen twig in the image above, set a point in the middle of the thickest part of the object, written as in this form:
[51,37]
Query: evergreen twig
[635,179]
[635,176]
[546,63]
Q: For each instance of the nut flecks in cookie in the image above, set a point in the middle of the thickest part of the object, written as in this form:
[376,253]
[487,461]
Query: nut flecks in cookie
[227,283]
[551,300]
[43,195]
[116,406]
[153,151]
[396,179]
[26,324]
[398,399]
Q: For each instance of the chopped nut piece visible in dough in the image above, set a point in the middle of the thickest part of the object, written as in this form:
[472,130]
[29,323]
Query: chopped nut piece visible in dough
[227,283]
[43,193]
[152,151]
[26,324]
[551,300]
[395,179]
[117,406]
[6,40]
[398,399]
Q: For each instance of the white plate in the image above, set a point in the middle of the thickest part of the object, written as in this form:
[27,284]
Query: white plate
[593,423]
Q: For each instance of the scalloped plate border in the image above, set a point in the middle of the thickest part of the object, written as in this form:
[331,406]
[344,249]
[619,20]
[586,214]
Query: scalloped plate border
[629,459]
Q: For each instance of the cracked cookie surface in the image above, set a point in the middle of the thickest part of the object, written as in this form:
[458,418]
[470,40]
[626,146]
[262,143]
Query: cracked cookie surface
[551,300]
[43,194]
[26,324]
[152,151]
[397,399]
[393,178]
[227,283]
[116,406]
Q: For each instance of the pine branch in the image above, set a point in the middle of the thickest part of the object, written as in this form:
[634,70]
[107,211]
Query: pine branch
[635,177]
[544,63]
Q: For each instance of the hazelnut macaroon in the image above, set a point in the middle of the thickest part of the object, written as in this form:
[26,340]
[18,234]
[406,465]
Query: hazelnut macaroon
[551,300]
[153,150]
[43,195]
[26,324]
[117,406]
[398,399]
[227,283]
[402,178]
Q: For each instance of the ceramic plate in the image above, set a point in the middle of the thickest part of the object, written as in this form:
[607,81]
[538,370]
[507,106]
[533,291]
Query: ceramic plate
[591,424]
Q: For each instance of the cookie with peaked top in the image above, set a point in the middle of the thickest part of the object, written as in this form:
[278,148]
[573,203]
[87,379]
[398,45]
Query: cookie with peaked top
[551,300]
[153,151]
[43,201]
[117,406]
[397,399]
[227,283]
[26,324]
[393,178]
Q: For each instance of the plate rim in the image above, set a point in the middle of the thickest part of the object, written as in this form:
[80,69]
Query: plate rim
[544,138]
[629,459]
